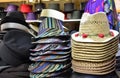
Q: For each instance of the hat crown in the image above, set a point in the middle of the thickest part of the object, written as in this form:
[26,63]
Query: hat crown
[94,24]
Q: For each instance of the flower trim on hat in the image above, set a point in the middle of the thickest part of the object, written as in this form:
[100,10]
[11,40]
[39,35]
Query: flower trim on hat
[84,35]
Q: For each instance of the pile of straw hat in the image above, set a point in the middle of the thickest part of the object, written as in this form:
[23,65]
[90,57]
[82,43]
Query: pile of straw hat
[94,47]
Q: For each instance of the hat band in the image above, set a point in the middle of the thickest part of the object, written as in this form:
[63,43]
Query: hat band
[13,25]
[101,35]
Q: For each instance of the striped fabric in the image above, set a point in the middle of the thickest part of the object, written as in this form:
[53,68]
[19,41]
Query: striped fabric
[47,47]
[51,27]
[47,67]
[49,75]
[49,57]
[50,40]
[40,53]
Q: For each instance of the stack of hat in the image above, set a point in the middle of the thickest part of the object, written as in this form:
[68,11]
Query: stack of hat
[16,42]
[94,47]
[51,56]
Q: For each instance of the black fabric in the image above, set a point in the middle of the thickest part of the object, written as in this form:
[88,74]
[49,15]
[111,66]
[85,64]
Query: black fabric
[80,75]
[14,49]
[16,72]
[2,14]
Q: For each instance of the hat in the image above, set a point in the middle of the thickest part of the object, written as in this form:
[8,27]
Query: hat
[14,19]
[14,49]
[1,9]
[48,67]
[94,44]
[11,7]
[76,14]
[94,28]
[31,16]
[25,8]
[52,13]
[39,7]
[55,6]
[2,14]
[68,7]
[51,24]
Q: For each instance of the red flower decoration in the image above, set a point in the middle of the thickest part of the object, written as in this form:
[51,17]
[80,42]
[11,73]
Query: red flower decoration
[101,35]
[111,33]
[84,35]
[76,35]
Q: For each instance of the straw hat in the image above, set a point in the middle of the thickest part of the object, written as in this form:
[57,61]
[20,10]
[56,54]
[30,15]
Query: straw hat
[94,28]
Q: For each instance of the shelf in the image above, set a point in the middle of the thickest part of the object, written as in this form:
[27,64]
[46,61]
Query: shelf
[69,20]
[33,21]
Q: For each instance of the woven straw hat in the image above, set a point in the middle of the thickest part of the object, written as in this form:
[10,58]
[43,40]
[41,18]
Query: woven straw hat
[94,28]
[98,68]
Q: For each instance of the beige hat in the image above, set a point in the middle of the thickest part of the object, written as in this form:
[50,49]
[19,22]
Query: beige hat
[94,28]
[94,67]
[94,47]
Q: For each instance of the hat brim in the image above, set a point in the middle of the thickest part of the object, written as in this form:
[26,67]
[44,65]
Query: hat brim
[11,25]
[95,39]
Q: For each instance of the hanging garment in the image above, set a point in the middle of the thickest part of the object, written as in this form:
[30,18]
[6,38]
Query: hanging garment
[107,6]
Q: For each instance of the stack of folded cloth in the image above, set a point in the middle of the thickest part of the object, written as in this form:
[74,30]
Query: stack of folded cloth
[52,52]
[94,47]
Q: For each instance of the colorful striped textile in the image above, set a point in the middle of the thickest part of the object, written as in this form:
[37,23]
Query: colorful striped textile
[51,27]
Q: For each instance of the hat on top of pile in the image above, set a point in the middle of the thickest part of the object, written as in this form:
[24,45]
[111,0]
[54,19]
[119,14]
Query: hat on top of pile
[14,20]
[52,22]
[93,29]
[94,47]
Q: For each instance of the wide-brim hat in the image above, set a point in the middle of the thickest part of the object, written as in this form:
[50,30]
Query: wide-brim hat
[52,24]
[54,74]
[52,13]
[14,20]
[14,49]
[40,53]
[98,68]
[48,67]
[56,39]
[94,28]
[51,47]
